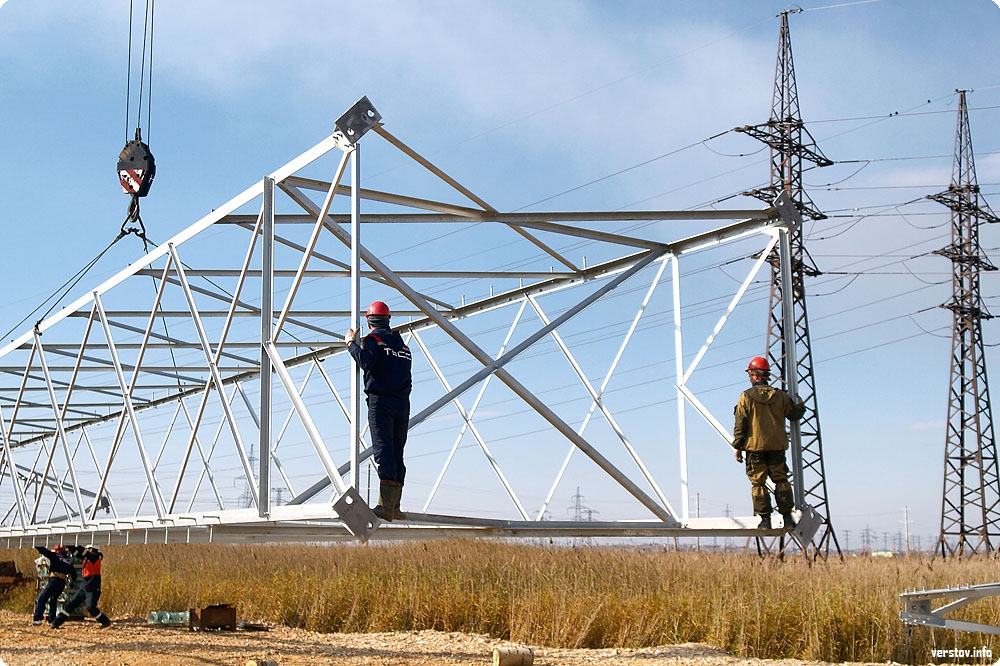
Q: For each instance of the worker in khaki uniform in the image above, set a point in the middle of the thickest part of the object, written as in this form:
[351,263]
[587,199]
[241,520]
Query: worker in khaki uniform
[760,432]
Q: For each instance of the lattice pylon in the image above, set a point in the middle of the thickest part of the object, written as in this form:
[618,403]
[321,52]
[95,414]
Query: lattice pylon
[792,145]
[970,522]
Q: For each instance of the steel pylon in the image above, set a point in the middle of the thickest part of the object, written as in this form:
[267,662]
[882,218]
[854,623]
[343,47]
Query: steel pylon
[792,146]
[971,494]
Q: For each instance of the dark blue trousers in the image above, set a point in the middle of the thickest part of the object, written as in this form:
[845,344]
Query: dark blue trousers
[49,596]
[388,421]
[89,592]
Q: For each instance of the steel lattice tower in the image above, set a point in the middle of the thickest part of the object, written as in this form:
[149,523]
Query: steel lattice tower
[969,514]
[791,146]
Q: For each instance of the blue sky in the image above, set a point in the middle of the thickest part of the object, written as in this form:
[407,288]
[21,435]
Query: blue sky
[532,105]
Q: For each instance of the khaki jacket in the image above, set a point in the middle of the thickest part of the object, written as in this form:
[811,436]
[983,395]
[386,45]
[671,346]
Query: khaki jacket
[760,418]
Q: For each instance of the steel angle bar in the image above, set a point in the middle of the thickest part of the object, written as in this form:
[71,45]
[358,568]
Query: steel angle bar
[248,195]
[247,310]
[127,393]
[590,234]
[354,369]
[213,368]
[737,297]
[491,366]
[705,413]
[163,447]
[384,133]
[918,608]
[675,276]
[69,473]
[332,473]
[267,334]
[596,398]
[203,402]
[110,505]
[21,391]
[310,246]
[467,422]
[465,215]
[604,384]
[612,267]
[206,459]
[60,436]
[39,479]
[472,410]
[206,468]
[133,419]
[343,273]
[78,387]
[284,427]
[7,462]
[461,212]
[324,483]
[169,340]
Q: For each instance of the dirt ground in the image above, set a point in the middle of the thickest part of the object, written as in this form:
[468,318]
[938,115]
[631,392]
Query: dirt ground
[134,642]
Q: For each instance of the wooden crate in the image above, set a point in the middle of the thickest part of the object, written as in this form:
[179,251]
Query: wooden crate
[222,616]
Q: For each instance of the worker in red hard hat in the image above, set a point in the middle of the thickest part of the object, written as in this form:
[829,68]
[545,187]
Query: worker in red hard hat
[61,570]
[386,362]
[760,432]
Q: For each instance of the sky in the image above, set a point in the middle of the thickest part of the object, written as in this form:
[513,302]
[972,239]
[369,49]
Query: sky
[562,105]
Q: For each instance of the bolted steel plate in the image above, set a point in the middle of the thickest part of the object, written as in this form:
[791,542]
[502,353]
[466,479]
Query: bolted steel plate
[360,520]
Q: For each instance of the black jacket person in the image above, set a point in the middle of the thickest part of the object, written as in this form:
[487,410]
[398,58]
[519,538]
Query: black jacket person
[61,570]
[386,362]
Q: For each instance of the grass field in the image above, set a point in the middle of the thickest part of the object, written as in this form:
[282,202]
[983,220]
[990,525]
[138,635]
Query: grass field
[584,596]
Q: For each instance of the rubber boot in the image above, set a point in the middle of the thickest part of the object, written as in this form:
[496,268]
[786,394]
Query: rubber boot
[384,509]
[765,522]
[397,497]
[104,620]
[60,618]
[789,520]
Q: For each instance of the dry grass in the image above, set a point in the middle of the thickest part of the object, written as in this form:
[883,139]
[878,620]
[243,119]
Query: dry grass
[567,597]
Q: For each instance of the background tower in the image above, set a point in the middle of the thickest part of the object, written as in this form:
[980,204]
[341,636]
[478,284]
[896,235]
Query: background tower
[969,518]
[792,146]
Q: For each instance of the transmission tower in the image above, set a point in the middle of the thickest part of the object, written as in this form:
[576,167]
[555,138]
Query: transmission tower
[791,146]
[969,517]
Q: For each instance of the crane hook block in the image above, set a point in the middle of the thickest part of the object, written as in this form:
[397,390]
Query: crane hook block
[136,167]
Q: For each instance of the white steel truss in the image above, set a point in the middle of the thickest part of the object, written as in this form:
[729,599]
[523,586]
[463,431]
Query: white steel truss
[121,414]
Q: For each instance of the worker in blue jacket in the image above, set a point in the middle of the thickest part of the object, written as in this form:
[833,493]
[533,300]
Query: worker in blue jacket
[386,363]
[61,570]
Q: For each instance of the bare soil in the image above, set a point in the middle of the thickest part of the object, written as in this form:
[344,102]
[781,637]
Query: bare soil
[134,642]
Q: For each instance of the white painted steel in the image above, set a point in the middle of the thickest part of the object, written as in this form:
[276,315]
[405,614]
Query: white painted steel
[268,330]
[100,404]
[679,372]
[467,422]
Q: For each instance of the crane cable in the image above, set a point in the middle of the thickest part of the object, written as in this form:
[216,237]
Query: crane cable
[136,166]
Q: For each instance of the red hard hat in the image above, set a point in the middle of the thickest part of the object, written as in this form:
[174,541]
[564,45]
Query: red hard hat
[378,309]
[760,364]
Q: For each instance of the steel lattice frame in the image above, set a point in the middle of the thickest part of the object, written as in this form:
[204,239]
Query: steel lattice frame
[119,414]
[970,513]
